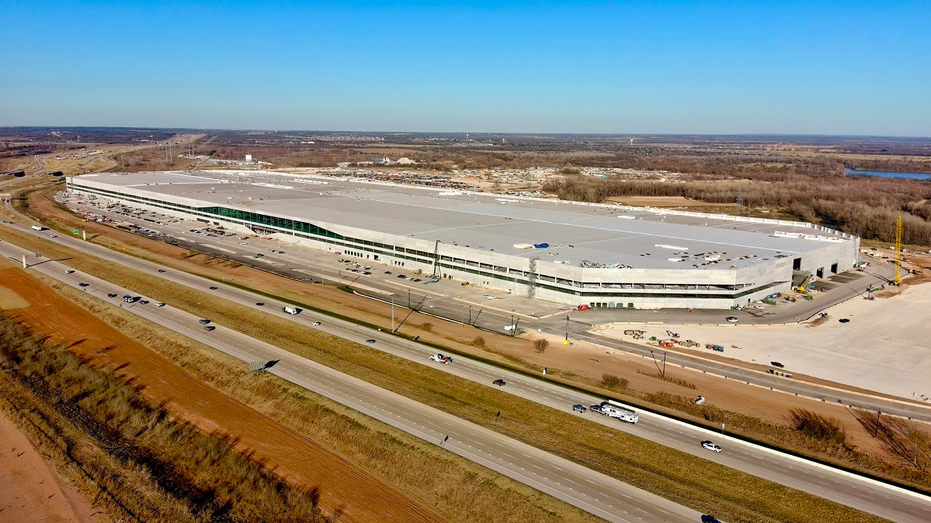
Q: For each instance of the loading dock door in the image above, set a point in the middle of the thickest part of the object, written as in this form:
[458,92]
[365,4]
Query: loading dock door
[797,264]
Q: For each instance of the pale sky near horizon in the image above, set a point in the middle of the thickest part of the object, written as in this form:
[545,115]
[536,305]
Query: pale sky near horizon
[782,67]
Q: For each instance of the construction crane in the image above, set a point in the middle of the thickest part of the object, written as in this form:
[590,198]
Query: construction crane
[898,252]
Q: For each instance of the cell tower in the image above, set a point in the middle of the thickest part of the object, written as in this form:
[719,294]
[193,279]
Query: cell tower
[898,251]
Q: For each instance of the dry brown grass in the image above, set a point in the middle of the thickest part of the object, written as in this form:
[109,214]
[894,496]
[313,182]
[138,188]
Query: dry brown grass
[151,467]
[458,488]
[672,474]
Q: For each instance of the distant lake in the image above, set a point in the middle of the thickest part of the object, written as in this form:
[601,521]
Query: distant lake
[891,174]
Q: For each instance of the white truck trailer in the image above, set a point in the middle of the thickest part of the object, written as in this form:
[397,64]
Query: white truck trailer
[291,310]
[38,228]
[619,411]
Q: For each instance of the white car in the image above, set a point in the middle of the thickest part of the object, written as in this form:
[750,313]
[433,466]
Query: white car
[159,304]
[441,359]
[732,319]
[490,297]
[69,271]
[707,445]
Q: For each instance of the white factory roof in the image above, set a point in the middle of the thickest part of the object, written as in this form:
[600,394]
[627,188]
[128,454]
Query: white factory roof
[603,234]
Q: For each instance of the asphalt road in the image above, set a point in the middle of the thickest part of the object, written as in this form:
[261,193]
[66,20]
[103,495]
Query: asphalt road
[592,492]
[889,502]
[296,265]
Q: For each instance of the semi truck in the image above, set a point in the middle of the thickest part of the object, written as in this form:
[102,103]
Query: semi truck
[619,411]
[291,310]
[38,228]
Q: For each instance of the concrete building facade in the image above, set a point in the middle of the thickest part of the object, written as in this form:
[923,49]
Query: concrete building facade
[597,255]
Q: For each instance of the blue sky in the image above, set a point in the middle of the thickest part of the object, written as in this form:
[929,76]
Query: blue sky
[604,67]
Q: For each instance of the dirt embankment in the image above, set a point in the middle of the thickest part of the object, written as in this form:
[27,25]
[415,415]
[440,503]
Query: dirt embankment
[300,461]
[29,489]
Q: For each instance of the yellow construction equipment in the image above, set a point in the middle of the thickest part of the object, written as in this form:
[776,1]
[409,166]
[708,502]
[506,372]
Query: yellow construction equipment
[804,286]
[898,251]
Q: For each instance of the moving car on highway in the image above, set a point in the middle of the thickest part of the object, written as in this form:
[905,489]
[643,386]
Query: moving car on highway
[441,359]
[370,341]
[707,445]
[209,327]
[69,271]
[204,322]
[579,408]
[499,382]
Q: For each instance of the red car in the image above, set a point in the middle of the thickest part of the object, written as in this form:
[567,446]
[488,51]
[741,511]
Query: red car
[584,307]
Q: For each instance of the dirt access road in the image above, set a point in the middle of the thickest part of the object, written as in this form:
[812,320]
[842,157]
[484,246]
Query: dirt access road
[300,461]
[31,490]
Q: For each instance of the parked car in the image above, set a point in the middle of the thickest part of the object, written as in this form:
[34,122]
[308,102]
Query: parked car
[489,297]
[584,307]
[499,382]
[707,445]
[777,364]
[578,408]
[732,319]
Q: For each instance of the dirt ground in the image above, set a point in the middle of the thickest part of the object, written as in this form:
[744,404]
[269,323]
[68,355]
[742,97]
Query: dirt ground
[31,490]
[882,345]
[298,460]
[664,201]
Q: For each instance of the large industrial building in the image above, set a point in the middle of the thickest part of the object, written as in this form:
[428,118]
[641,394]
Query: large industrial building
[572,253]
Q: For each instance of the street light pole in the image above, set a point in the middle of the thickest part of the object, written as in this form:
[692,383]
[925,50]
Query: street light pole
[567,328]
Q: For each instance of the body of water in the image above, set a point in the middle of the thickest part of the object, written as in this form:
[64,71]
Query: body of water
[891,174]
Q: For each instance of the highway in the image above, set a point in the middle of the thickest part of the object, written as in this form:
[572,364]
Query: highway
[889,502]
[300,265]
[590,491]
[445,306]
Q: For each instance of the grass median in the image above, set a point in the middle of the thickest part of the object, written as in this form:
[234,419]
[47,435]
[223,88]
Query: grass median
[675,475]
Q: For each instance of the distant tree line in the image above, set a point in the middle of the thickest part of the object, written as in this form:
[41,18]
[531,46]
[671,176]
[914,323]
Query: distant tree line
[864,206]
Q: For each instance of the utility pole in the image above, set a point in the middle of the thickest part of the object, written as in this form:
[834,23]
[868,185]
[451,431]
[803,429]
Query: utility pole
[392,314]
[567,328]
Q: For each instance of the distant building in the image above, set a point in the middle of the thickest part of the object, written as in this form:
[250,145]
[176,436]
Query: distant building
[248,158]
[405,161]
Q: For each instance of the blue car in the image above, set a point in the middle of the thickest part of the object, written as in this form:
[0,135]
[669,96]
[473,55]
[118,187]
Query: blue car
[709,519]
